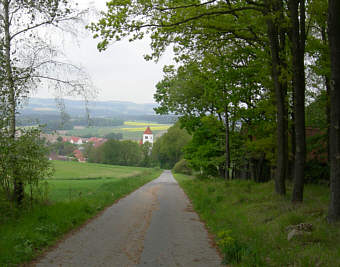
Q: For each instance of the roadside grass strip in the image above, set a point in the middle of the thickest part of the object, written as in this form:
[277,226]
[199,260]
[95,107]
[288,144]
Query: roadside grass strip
[24,234]
[251,224]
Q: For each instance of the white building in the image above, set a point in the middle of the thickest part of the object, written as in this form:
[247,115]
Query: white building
[76,140]
[148,136]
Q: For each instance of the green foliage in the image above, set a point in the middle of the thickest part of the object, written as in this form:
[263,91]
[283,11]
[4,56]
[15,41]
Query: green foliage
[114,152]
[182,167]
[24,161]
[115,136]
[206,152]
[62,148]
[232,249]
[168,149]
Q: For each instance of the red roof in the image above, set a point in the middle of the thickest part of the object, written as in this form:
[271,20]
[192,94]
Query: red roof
[75,139]
[148,130]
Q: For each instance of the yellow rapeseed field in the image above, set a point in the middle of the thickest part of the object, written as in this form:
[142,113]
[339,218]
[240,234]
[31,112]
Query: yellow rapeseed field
[142,129]
[135,123]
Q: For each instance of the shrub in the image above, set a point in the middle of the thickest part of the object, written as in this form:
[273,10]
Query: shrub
[182,167]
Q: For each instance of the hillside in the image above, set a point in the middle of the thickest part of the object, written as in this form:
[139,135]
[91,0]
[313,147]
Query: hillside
[97,108]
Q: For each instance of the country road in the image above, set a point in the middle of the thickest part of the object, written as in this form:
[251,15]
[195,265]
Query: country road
[153,226]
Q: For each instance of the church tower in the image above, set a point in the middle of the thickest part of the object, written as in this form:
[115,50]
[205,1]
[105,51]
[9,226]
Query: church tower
[148,136]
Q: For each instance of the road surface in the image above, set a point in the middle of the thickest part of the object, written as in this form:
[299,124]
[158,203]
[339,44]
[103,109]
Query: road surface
[153,226]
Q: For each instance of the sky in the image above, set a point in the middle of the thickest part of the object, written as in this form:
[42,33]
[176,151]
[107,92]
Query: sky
[119,73]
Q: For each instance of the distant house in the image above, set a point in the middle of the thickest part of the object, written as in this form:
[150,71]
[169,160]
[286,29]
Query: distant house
[79,155]
[97,142]
[76,140]
[66,139]
[148,136]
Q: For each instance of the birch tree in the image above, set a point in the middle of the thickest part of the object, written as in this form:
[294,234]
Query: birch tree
[30,60]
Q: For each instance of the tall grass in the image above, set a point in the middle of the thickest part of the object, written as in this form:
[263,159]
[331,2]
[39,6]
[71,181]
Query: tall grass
[249,223]
[25,233]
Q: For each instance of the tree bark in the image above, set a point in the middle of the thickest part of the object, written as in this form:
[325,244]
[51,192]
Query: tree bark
[276,37]
[297,44]
[334,139]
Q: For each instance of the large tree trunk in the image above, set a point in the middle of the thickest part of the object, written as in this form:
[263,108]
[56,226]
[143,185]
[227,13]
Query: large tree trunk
[227,145]
[334,44]
[328,91]
[277,46]
[297,44]
[17,183]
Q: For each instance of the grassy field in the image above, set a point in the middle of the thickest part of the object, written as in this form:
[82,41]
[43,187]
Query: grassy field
[76,193]
[250,223]
[131,130]
[75,170]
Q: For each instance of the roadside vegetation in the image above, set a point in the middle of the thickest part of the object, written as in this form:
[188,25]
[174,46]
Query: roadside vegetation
[74,194]
[251,223]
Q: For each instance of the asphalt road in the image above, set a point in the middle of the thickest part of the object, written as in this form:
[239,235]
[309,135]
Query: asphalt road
[154,226]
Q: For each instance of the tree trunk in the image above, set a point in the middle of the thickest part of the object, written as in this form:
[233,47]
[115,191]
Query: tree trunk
[293,143]
[277,47]
[227,145]
[17,183]
[297,43]
[328,91]
[334,44]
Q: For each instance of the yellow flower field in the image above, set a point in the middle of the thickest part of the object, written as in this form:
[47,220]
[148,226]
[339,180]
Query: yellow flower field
[135,123]
[142,129]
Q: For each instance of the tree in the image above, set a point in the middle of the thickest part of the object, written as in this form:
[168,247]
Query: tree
[182,23]
[126,153]
[334,139]
[168,149]
[115,136]
[205,151]
[297,14]
[29,60]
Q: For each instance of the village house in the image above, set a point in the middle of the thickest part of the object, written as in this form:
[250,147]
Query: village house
[97,142]
[76,140]
[79,155]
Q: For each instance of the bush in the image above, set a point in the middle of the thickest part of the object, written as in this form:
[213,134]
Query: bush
[182,167]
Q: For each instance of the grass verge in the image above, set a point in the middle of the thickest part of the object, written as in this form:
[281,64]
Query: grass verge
[24,236]
[250,223]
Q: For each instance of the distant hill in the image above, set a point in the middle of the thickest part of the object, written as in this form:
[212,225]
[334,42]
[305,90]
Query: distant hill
[97,108]
[45,110]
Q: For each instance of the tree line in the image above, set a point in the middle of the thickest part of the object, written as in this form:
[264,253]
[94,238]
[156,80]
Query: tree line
[245,70]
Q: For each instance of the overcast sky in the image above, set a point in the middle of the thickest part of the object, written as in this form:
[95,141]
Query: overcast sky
[120,72]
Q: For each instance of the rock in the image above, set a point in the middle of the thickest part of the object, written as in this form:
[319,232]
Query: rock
[293,233]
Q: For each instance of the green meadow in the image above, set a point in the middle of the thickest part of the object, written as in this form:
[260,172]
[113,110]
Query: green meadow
[251,223]
[76,192]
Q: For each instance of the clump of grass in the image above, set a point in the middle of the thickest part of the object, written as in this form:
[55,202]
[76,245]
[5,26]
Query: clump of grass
[249,221]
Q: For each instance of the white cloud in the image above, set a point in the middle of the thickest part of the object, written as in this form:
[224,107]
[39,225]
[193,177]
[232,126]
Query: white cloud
[120,72]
